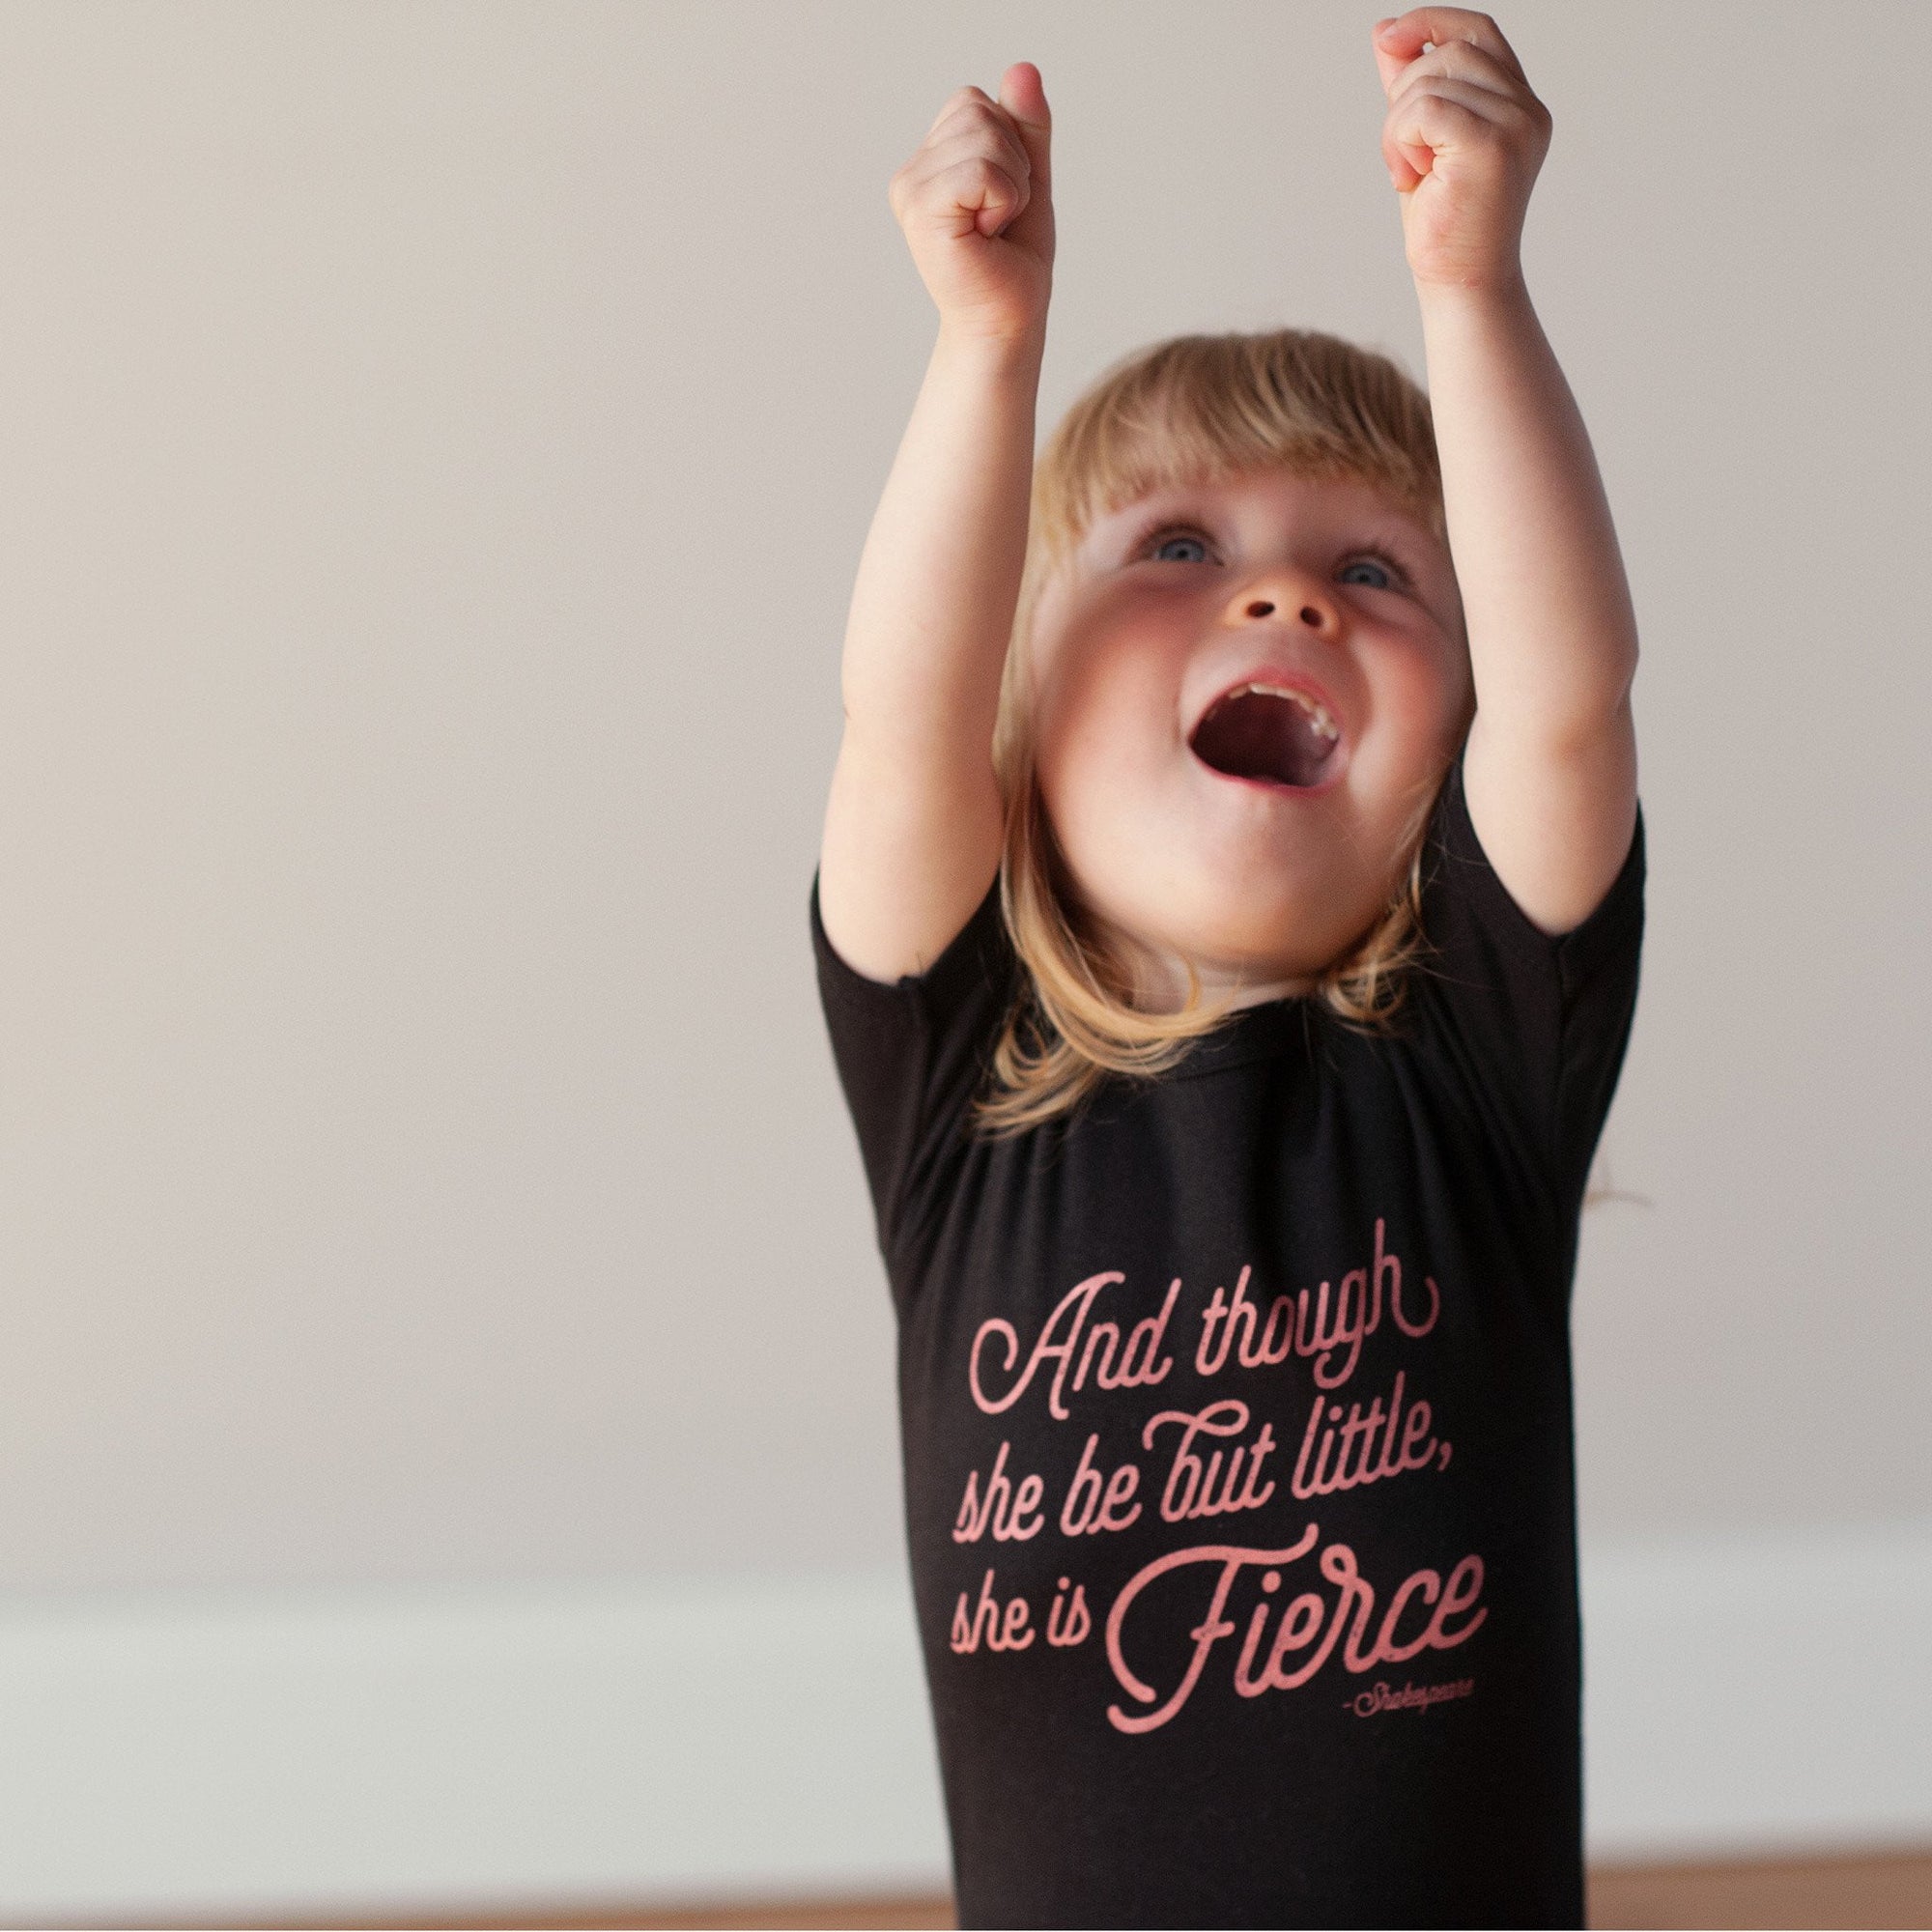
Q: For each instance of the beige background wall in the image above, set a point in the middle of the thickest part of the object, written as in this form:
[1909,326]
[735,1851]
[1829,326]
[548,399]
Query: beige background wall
[434,445]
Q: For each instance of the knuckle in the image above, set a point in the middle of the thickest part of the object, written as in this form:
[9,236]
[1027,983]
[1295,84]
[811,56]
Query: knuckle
[992,137]
[960,104]
[974,130]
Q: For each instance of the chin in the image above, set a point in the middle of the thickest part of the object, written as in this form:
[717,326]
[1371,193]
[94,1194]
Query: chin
[1230,935]
[1268,895]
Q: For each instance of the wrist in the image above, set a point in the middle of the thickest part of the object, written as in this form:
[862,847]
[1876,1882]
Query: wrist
[997,355]
[1503,294]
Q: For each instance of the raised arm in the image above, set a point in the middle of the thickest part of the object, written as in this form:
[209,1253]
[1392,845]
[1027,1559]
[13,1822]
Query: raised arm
[1550,767]
[912,824]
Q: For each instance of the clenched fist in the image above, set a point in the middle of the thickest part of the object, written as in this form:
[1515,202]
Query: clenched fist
[1463,139]
[977,206]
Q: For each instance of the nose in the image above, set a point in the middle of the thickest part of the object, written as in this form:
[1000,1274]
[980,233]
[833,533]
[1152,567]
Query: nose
[1289,593]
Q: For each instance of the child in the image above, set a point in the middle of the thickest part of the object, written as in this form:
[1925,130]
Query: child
[1229,981]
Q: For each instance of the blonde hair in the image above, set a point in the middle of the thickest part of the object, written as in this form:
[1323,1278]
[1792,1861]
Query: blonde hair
[1194,408]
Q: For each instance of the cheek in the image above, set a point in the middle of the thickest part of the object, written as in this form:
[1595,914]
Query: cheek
[1104,717]
[1428,694]
[1105,745]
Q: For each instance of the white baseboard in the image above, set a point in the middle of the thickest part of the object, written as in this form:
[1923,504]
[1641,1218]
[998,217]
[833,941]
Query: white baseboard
[1759,1695]
[386,1748]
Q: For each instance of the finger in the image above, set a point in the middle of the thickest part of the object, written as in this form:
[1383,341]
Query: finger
[1029,126]
[1408,166]
[977,170]
[1428,126]
[1419,131]
[1458,60]
[996,196]
[1494,109]
[1388,66]
[1403,37]
[1406,155]
[996,140]
[1024,99]
[951,105]
[970,191]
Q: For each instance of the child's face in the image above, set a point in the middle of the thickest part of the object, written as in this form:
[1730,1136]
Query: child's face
[1257,833]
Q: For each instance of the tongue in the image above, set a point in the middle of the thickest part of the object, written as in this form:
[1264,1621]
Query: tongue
[1257,736]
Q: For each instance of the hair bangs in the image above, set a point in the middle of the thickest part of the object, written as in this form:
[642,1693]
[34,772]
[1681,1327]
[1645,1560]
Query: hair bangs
[1207,408]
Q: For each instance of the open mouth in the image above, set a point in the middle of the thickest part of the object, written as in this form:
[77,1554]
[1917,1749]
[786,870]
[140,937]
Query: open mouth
[1270,733]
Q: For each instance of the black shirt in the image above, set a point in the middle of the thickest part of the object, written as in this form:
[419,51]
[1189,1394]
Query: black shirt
[1237,1423]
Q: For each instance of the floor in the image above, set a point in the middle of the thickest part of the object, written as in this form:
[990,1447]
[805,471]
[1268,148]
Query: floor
[1873,1893]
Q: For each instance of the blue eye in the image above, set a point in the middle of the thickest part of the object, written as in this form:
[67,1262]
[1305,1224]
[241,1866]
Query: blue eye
[1368,572]
[1162,550]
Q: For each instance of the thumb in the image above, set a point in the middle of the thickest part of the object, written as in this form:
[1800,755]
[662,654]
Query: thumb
[1024,98]
[1388,64]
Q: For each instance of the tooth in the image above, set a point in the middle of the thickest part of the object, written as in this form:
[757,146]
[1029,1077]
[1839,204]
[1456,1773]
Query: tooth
[1318,714]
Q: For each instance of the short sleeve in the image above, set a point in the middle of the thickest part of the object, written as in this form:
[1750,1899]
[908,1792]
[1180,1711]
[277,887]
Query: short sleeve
[1538,1023]
[911,1054]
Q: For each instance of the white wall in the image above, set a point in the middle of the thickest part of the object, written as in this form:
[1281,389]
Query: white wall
[434,445]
